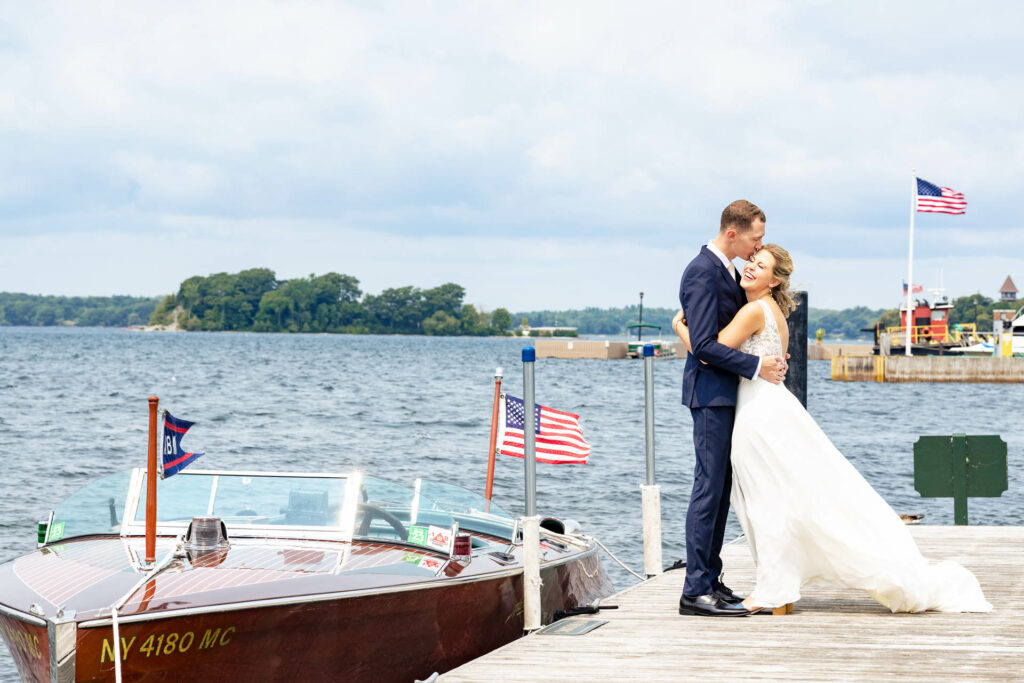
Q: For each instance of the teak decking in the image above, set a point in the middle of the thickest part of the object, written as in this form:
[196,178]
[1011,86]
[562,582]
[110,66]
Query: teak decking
[833,634]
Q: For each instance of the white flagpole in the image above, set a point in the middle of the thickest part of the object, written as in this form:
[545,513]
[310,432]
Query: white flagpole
[910,261]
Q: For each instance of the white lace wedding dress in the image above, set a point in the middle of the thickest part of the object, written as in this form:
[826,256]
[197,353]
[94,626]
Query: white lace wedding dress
[810,517]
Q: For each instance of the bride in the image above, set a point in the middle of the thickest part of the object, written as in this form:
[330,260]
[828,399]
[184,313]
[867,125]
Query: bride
[809,516]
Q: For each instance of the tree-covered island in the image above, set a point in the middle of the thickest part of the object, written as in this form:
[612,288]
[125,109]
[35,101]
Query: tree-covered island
[255,300]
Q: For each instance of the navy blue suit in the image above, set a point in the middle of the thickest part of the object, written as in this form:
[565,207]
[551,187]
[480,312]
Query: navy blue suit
[710,297]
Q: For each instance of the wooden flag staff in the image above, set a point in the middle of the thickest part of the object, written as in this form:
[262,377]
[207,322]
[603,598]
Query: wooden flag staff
[494,437]
[151,485]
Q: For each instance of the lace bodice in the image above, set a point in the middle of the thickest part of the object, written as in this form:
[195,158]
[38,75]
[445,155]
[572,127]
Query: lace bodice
[768,342]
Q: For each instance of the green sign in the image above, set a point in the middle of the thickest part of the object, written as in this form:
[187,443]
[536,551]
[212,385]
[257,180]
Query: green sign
[418,535]
[960,467]
[56,531]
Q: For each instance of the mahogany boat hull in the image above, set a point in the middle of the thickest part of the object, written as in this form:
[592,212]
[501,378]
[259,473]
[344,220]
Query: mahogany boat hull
[397,635]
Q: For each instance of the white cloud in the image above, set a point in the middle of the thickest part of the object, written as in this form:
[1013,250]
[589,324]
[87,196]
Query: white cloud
[610,134]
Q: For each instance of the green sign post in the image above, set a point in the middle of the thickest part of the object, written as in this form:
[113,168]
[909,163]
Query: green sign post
[961,467]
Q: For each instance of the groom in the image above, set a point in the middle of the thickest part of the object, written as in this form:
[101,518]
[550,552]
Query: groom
[710,295]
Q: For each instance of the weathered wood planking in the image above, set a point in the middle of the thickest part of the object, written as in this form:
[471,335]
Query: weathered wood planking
[834,634]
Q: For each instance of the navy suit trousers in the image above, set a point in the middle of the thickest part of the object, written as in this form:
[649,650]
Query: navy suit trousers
[709,501]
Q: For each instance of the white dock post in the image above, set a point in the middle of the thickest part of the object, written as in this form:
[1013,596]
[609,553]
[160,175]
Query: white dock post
[531,522]
[650,493]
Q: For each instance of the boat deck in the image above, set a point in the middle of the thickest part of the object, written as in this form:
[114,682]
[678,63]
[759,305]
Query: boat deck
[833,634]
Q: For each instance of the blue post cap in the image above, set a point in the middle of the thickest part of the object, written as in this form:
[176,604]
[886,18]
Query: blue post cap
[529,355]
[648,350]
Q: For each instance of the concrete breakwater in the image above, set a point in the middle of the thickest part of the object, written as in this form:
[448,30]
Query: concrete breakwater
[927,369]
[829,351]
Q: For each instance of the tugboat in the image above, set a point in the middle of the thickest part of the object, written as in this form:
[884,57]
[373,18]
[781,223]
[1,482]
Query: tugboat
[930,331]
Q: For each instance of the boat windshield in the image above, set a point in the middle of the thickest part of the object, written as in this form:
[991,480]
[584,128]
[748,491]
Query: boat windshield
[94,509]
[249,499]
[257,503]
[388,510]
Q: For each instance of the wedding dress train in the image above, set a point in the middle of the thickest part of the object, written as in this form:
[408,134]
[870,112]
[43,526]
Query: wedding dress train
[810,517]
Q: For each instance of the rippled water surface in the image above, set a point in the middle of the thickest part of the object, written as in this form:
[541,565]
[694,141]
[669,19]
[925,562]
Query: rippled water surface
[73,408]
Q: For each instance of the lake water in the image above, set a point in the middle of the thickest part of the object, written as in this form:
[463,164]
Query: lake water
[73,408]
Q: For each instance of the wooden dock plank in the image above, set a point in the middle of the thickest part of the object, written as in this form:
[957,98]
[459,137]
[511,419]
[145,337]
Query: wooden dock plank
[834,634]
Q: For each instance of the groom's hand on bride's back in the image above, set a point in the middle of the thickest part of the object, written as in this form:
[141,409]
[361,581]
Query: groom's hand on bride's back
[773,369]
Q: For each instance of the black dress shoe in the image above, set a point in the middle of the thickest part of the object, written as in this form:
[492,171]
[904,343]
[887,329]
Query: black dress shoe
[710,606]
[725,594]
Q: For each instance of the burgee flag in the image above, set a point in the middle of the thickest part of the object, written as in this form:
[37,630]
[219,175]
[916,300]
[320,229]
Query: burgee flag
[934,199]
[173,459]
[558,435]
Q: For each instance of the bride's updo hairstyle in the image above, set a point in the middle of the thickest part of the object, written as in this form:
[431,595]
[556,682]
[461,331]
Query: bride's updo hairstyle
[783,269]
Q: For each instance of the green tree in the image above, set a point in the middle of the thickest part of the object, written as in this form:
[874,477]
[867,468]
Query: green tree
[162,313]
[501,319]
[273,310]
[441,323]
[395,310]
[447,297]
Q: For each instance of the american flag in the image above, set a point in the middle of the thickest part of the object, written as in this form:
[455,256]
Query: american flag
[559,437]
[915,290]
[934,199]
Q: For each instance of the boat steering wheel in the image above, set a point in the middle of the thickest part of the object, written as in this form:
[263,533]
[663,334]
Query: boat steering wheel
[372,512]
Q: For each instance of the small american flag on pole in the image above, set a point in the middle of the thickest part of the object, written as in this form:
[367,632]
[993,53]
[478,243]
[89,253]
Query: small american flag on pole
[559,437]
[934,199]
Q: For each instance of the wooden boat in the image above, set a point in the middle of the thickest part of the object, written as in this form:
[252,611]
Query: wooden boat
[263,576]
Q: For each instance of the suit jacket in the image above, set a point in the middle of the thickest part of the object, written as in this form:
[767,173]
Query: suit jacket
[710,297]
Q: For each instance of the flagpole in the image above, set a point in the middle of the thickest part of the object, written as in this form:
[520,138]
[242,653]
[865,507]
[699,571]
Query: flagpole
[151,485]
[910,260]
[494,438]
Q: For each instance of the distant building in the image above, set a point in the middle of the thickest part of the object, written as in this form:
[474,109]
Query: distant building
[1008,292]
[560,331]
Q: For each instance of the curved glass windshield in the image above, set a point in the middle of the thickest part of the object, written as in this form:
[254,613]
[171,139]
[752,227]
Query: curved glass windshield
[249,499]
[262,501]
[418,514]
[453,498]
[95,509]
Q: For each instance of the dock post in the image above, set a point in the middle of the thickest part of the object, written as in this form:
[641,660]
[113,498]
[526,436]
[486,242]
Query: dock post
[531,521]
[796,376]
[650,494]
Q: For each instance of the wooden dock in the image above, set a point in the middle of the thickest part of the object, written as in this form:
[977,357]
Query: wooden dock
[833,634]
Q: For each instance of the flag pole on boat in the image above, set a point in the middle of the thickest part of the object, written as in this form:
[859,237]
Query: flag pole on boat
[531,522]
[494,438]
[650,494]
[151,485]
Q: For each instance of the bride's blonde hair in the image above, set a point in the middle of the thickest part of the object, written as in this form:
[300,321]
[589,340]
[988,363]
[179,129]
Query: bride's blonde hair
[783,269]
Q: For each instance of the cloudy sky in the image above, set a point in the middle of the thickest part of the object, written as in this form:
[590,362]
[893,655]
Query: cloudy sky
[543,155]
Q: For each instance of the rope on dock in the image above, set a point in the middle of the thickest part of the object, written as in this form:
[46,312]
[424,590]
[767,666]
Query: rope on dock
[642,578]
[611,555]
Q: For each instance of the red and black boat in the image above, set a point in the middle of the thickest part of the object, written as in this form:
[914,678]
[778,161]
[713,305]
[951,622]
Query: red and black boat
[278,576]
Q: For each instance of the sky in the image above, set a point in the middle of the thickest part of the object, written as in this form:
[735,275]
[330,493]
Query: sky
[542,155]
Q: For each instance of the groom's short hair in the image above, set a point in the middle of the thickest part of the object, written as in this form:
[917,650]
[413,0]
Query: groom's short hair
[740,216]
